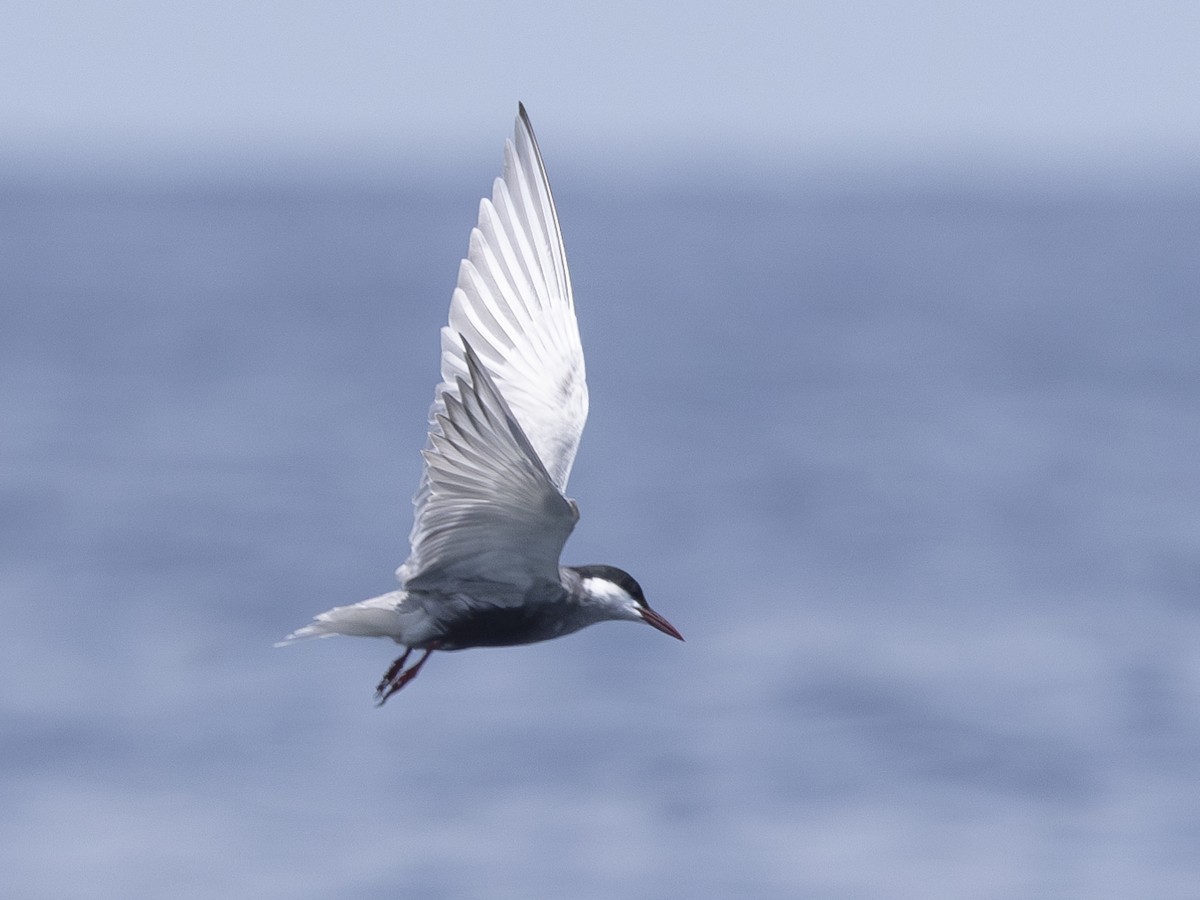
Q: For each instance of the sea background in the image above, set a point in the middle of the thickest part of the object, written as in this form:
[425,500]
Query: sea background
[910,460]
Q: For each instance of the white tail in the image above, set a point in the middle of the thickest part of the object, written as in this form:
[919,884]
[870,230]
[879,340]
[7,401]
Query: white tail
[377,617]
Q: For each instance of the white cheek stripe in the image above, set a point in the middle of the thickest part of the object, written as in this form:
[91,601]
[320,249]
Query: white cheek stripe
[601,587]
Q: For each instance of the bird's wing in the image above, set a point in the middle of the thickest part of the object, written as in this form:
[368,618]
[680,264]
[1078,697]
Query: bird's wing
[491,513]
[513,305]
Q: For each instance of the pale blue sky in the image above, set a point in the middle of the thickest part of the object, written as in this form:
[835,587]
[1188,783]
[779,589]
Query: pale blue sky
[706,81]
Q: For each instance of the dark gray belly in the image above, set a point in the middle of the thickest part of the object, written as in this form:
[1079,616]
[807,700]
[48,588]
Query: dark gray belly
[502,626]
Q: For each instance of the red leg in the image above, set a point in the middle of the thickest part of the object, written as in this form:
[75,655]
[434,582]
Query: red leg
[396,678]
[392,672]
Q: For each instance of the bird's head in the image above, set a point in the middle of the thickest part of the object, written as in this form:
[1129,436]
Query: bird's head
[619,596]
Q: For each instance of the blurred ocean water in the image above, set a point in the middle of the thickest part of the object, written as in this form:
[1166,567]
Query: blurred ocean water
[913,469]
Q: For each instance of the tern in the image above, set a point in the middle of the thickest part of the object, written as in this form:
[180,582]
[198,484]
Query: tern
[491,511]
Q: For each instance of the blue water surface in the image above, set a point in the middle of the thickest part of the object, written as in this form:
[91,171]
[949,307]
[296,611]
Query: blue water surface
[913,468]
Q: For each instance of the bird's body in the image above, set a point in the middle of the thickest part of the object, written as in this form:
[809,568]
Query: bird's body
[491,512]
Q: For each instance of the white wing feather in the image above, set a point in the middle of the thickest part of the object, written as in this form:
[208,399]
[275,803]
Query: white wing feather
[513,304]
[492,513]
[513,307]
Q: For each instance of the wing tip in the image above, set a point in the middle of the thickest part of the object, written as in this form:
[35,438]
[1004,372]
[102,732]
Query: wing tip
[524,124]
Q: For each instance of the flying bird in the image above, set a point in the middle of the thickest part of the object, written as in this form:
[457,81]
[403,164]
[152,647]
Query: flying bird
[491,510]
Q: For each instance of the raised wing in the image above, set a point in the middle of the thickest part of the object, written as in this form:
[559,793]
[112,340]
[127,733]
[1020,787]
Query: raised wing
[513,306]
[491,512]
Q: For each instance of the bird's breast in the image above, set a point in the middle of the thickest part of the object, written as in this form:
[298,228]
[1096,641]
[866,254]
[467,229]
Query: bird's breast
[478,620]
